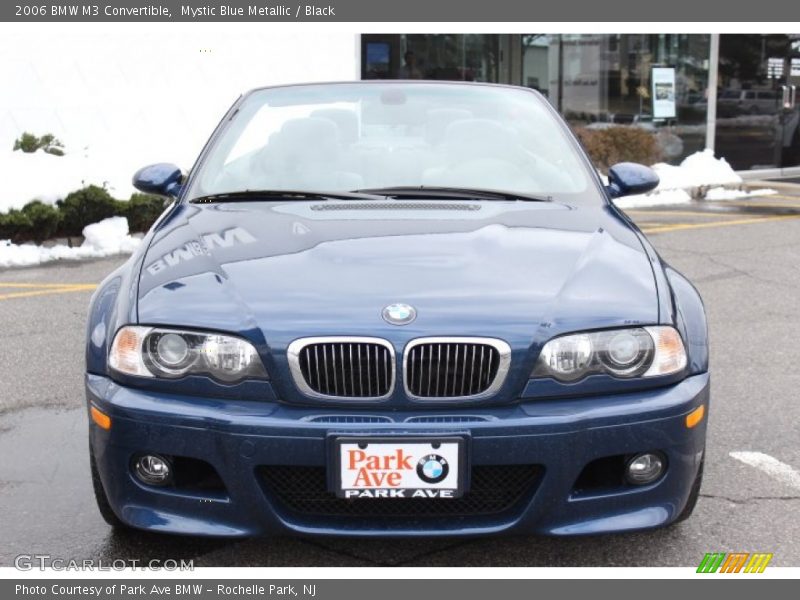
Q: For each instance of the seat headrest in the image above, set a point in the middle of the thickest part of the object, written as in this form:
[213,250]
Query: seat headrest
[477,138]
[307,139]
[346,120]
[439,119]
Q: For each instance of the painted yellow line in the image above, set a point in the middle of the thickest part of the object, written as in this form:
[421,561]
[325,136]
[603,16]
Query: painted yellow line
[780,197]
[678,213]
[45,285]
[51,291]
[765,204]
[680,226]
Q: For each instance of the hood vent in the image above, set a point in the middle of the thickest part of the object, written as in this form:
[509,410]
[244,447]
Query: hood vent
[448,206]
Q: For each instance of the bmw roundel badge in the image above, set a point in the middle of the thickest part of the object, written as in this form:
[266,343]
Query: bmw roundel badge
[399,314]
[432,468]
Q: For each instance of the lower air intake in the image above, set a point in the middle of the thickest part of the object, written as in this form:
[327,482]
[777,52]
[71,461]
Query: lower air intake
[493,490]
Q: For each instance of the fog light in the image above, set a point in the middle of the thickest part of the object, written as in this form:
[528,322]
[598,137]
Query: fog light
[644,468]
[153,469]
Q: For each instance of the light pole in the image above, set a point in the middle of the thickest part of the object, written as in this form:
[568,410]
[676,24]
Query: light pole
[711,100]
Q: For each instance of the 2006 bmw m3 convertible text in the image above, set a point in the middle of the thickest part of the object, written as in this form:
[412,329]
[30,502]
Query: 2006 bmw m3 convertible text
[394,309]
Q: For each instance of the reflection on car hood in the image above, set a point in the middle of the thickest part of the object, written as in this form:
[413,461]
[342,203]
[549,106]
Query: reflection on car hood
[514,270]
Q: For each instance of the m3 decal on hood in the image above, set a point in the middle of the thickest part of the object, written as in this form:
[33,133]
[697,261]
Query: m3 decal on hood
[197,247]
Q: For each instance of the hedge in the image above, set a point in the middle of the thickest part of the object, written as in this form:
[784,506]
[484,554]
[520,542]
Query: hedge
[607,147]
[28,142]
[37,221]
[82,207]
[44,219]
[142,210]
[16,226]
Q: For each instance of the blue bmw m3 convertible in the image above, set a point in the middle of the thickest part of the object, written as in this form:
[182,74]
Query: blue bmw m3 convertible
[395,309]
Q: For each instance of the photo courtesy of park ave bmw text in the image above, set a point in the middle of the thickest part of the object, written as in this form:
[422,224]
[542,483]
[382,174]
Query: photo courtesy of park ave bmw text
[398,285]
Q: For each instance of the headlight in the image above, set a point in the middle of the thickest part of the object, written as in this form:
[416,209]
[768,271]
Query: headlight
[635,352]
[171,353]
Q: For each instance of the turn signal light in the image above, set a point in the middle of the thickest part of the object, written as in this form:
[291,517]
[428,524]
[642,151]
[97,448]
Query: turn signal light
[694,417]
[102,420]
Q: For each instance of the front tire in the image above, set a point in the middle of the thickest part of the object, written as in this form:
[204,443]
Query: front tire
[694,494]
[103,505]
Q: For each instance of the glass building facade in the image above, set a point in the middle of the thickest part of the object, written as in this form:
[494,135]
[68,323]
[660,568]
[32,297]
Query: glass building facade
[658,82]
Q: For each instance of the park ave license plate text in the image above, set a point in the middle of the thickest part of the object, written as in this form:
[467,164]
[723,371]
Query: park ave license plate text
[400,469]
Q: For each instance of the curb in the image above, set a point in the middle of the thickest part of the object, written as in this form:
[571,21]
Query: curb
[70,242]
[778,185]
[699,192]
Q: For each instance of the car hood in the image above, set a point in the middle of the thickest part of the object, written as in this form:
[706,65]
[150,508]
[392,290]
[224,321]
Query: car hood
[519,271]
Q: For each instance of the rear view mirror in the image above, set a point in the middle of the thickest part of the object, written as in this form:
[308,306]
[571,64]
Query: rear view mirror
[163,179]
[626,179]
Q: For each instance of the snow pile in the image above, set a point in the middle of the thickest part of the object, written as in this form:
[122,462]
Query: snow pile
[110,236]
[106,238]
[698,170]
[45,177]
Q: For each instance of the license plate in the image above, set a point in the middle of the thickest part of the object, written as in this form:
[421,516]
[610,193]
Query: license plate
[382,468]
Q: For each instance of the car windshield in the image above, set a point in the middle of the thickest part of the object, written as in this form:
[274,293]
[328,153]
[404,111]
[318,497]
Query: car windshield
[371,136]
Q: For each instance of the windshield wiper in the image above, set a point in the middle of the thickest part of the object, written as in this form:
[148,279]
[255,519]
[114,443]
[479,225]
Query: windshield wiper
[455,193]
[253,195]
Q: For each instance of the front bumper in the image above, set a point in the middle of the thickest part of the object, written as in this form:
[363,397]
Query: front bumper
[241,438]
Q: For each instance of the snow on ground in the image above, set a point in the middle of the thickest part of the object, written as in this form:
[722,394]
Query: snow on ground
[655,198]
[700,169]
[106,238]
[719,193]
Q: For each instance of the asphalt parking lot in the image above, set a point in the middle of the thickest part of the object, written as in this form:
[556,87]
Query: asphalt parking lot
[744,256]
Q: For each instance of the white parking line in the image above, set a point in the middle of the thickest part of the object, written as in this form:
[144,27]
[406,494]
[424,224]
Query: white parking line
[771,466]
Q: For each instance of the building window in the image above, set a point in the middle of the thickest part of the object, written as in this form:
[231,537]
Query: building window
[454,57]
[602,80]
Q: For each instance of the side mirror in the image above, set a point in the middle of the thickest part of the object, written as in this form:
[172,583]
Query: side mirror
[163,179]
[626,179]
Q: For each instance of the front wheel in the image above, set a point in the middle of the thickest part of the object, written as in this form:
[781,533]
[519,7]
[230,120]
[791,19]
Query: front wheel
[103,505]
[693,495]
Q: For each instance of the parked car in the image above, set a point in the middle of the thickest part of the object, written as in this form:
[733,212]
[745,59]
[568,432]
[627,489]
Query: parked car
[734,102]
[395,309]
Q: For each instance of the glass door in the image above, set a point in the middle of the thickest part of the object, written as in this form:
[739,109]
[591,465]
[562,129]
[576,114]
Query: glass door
[790,99]
[757,101]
